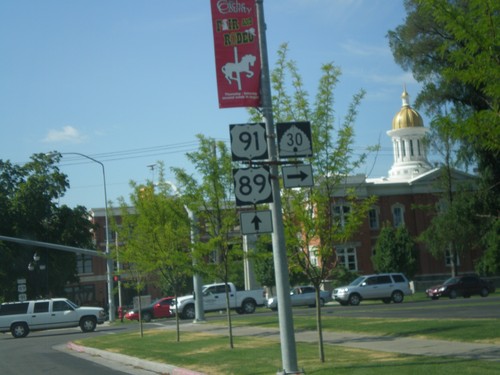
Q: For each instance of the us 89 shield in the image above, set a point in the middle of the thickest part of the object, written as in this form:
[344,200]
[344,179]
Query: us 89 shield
[252,186]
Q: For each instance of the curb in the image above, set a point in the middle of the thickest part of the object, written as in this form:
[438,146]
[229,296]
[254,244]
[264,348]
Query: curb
[160,368]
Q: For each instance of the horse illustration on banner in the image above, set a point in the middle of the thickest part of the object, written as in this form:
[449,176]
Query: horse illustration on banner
[232,70]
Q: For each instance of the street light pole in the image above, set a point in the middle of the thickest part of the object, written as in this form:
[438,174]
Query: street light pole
[287,335]
[109,261]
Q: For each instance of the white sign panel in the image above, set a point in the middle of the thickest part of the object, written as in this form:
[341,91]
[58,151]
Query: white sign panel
[297,176]
[252,186]
[248,141]
[256,222]
[294,139]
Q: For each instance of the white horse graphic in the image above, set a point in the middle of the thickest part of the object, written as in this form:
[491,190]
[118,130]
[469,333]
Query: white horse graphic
[230,69]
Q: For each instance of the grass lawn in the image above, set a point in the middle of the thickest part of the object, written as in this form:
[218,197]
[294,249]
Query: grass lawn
[211,354]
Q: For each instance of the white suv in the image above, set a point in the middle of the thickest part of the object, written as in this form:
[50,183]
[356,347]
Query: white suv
[22,317]
[386,287]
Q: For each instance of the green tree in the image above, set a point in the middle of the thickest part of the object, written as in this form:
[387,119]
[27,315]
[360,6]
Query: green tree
[451,46]
[454,228]
[28,201]
[443,141]
[312,228]
[395,251]
[156,237]
[212,200]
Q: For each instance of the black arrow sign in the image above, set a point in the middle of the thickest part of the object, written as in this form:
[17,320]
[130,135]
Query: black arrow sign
[302,175]
[256,222]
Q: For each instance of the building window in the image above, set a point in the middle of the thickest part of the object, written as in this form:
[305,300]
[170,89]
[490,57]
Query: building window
[418,145]
[341,214]
[84,263]
[373,218]
[347,258]
[411,147]
[398,215]
[448,259]
[313,255]
[81,294]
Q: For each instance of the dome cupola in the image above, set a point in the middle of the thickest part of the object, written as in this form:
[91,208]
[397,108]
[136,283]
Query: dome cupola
[407,117]
[407,134]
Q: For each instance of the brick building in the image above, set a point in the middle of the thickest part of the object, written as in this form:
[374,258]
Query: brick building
[411,181]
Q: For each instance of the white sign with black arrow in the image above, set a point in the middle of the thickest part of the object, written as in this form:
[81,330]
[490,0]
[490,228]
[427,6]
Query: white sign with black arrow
[255,222]
[297,176]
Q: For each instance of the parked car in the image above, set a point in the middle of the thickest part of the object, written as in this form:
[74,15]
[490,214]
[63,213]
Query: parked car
[158,309]
[302,296]
[465,286]
[386,287]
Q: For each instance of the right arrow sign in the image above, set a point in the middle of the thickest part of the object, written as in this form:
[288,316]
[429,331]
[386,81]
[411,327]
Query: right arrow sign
[297,176]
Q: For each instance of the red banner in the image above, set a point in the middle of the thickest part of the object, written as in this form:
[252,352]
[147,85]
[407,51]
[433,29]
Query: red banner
[237,53]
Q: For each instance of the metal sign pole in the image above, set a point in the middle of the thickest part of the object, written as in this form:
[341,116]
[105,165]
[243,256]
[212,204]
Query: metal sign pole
[287,335]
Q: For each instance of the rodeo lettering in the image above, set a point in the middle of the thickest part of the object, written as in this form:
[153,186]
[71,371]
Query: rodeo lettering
[234,39]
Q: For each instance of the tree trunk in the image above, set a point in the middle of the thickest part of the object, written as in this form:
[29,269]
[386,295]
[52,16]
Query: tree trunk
[319,327]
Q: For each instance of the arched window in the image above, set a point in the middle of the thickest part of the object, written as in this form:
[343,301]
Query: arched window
[398,211]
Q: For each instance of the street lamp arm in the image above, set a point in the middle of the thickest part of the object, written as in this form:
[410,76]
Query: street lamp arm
[109,265]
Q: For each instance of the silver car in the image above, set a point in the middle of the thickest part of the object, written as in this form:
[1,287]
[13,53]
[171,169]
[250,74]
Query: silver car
[302,296]
[386,287]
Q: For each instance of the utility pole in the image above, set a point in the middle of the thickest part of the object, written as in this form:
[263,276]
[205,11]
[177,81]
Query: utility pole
[287,335]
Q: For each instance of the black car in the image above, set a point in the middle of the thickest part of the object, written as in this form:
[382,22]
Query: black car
[464,286]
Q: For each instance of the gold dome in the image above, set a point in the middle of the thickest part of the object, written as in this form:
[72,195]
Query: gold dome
[407,117]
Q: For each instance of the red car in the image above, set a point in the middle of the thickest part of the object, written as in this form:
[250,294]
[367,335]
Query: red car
[158,309]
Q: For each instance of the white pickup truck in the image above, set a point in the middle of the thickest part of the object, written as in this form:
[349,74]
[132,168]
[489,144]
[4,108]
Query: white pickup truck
[19,318]
[214,298]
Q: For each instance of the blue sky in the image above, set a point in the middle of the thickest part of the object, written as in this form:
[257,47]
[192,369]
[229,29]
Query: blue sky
[131,82]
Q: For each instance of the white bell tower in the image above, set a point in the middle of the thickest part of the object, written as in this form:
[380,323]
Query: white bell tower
[408,132]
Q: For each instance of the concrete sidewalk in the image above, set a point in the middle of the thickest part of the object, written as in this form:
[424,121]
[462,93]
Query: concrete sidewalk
[401,345]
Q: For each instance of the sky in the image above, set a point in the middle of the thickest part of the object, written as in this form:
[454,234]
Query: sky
[131,83]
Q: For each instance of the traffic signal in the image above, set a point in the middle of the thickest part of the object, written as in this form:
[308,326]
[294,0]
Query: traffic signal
[116,278]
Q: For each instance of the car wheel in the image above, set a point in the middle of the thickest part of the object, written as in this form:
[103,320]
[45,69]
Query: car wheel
[354,299]
[248,306]
[188,312]
[484,292]
[88,324]
[398,296]
[19,330]
[386,300]
[453,294]
[147,317]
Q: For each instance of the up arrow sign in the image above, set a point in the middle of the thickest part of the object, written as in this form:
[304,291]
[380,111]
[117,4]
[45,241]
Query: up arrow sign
[255,222]
[297,176]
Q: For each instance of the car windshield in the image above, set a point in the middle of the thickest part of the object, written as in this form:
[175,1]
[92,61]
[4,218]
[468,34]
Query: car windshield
[72,304]
[357,281]
[452,280]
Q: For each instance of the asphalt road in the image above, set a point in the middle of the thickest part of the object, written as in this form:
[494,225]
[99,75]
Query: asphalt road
[445,308]
[37,353]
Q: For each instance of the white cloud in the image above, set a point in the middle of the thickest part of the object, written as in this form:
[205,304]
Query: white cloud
[66,134]
[363,49]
